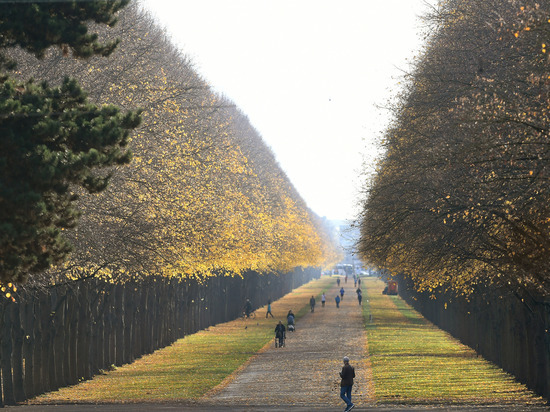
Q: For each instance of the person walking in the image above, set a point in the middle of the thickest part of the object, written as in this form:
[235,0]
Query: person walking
[338,281]
[323,299]
[347,375]
[312,304]
[342,293]
[290,321]
[247,308]
[268,309]
[359,295]
[337,299]
[280,331]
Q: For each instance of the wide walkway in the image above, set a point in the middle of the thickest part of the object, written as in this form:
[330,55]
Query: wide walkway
[306,371]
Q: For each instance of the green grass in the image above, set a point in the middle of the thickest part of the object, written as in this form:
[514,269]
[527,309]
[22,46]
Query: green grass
[192,366]
[414,362]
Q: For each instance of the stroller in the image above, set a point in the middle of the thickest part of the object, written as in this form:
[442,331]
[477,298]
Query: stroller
[291,323]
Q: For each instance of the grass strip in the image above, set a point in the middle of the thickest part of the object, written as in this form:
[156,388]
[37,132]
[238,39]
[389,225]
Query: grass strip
[414,362]
[193,365]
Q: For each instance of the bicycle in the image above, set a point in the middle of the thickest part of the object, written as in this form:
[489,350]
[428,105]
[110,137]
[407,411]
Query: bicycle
[252,315]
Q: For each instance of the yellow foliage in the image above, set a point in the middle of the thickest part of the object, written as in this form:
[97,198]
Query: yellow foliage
[203,194]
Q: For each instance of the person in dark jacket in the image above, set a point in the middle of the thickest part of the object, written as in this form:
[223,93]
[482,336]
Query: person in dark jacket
[280,333]
[347,375]
[312,303]
[247,308]
[359,295]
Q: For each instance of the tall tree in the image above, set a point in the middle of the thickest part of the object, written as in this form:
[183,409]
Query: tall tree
[204,194]
[461,195]
[52,140]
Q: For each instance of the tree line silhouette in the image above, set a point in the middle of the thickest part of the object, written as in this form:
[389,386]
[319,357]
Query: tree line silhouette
[138,205]
[459,201]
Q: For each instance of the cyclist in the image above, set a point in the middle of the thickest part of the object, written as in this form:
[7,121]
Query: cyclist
[247,308]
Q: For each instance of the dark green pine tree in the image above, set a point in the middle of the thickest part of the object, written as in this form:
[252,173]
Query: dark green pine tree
[52,140]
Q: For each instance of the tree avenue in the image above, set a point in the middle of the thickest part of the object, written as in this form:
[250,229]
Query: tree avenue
[461,194]
[203,194]
[53,140]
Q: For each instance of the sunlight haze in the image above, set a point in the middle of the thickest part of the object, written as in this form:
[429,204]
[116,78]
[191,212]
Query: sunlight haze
[308,74]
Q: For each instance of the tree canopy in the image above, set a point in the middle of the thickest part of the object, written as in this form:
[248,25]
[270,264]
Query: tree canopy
[461,194]
[53,140]
[37,26]
[204,195]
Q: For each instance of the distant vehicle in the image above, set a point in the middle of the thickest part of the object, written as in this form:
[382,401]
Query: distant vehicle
[391,288]
[343,269]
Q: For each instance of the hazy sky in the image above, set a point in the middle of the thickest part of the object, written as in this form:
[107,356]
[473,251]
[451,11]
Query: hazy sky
[308,74]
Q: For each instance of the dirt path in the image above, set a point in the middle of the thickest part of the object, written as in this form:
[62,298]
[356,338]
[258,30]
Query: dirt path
[306,371]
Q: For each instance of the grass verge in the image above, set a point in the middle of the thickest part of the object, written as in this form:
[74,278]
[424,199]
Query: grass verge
[193,365]
[414,362]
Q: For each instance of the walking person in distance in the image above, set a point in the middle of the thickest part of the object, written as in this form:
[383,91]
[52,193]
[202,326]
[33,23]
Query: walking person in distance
[247,308]
[347,375]
[280,331]
[268,309]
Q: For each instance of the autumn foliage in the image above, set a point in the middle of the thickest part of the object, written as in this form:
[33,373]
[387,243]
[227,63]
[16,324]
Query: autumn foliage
[203,194]
[461,195]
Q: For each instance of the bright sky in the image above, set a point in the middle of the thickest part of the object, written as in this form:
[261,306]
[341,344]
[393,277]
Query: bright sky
[309,75]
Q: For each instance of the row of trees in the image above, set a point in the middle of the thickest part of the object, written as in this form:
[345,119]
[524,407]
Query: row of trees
[461,195]
[60,336]
[129,190]
[203,194]
[511,333]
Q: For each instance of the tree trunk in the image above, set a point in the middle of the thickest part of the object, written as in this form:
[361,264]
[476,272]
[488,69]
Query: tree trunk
[6,346]
[95,329]
[28,347]
[59,341]
[72,320]
[120,325]
[17,355]
[110,341]
[129,316]
[65,370]
[108,337]
[82,349]
[40,312]
[52,329]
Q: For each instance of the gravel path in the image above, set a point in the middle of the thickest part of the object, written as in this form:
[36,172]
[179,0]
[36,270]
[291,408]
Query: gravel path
[302,377]
[306,371]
